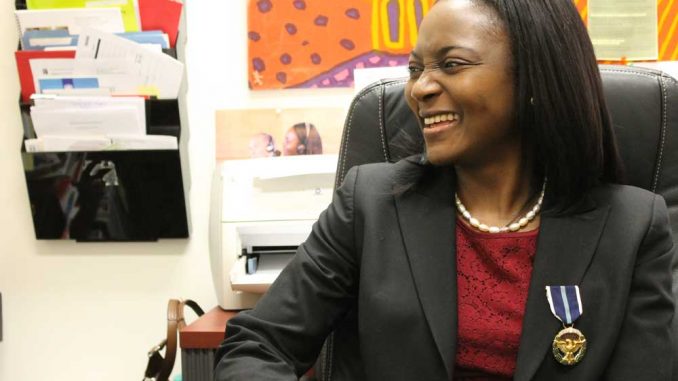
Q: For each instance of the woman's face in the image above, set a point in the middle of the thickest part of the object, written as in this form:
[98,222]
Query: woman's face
[461,85]
[291,143]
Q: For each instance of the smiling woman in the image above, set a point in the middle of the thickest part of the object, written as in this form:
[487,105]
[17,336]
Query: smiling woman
[460,69]
[508,250]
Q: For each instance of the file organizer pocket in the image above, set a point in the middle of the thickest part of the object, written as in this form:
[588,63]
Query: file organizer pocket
[132,195]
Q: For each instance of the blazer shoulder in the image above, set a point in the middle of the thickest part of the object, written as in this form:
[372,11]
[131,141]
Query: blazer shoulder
[381,177]
[623,194]
[628,200]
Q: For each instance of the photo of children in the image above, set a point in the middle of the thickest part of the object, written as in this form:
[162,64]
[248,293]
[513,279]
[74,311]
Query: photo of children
[259,133]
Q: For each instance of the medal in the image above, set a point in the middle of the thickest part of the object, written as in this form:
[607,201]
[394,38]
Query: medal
[569,345]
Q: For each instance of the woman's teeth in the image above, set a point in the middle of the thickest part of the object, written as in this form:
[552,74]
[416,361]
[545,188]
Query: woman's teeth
[440,118]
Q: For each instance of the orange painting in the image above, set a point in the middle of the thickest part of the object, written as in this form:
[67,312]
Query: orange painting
[318,43]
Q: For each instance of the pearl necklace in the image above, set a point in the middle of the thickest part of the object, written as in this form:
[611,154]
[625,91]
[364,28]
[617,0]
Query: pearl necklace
[514,227]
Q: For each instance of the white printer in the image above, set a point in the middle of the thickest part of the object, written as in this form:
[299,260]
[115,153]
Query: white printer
[261,210]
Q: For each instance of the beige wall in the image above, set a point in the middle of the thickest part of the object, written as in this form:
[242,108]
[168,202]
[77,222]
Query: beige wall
[75,311]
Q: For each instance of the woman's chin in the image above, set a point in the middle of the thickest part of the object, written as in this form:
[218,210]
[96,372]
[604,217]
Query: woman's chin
[439,158]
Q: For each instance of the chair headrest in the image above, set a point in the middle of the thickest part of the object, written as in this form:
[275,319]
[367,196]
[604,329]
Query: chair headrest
[643,104]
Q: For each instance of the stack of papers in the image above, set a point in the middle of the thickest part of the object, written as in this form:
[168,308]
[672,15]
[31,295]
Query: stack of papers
[88,116]
[70,20]
[110,143]
[129,9]
[113,55]
[92,124]
[88,66]
[61,39]
[159,74]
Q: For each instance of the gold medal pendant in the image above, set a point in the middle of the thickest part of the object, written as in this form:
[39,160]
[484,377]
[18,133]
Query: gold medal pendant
[569,346]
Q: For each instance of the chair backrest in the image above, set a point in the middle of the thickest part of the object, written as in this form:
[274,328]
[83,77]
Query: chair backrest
[644,107]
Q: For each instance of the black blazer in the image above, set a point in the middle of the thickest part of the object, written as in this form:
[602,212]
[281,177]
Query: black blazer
[392,257]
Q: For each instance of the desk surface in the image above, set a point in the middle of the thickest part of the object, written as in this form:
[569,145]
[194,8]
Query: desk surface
[207,332]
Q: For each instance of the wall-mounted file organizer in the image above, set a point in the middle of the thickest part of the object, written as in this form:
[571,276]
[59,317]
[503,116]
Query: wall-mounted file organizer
[112,195]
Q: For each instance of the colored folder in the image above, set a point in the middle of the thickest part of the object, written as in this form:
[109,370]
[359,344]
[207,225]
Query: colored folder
[23,65]
[127,8]
[161,15]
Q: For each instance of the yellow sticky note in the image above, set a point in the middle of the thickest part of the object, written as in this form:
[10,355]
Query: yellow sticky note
[150,91]
[130,17]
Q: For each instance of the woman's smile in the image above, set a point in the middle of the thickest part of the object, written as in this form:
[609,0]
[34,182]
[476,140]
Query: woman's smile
[439,124]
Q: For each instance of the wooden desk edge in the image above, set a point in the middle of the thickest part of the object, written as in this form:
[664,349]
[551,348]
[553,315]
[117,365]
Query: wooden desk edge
[207,332]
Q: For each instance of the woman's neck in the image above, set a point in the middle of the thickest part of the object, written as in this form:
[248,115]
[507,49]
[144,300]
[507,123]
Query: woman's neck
[497,195]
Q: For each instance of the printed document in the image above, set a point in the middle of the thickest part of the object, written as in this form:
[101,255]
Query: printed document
[624,29]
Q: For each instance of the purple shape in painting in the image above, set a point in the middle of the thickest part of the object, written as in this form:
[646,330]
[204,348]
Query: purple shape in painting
[304,43]
[299,4]
[342,75]
[418,12]
[286,59]
[315,58]
[347,44]
[353,13]
[291,28]
[264,5]
[281,77]
[393,19]
[321,20]
[254,36]
[258,64]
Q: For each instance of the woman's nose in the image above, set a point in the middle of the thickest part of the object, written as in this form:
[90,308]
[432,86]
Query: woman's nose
[425,87]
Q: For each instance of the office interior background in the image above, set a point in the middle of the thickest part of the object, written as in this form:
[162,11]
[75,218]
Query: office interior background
[90,311]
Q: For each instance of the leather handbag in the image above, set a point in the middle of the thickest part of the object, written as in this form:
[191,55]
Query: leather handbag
[159,367]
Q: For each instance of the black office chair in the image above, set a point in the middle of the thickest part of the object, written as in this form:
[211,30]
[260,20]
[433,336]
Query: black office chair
[380,127]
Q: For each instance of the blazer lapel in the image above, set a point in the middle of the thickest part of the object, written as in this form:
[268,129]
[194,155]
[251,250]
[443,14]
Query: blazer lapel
[427,223]
[564,250]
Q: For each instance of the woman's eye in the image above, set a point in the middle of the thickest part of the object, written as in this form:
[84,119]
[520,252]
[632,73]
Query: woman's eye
[448,65]
[414,70]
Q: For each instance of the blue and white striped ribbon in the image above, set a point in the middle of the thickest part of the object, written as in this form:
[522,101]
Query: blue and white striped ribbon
[565,303]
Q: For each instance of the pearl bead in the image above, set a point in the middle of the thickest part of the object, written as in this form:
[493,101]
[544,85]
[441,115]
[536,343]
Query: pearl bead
[521,223]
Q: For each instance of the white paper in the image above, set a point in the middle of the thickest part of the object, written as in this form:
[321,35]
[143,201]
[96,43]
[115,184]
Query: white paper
[146,142]
[77,122]
[365,77]
[103,19]
[45,102]
[67,144]
[624,29]
[78,92]
[53,67]
[114,75]
[156,70]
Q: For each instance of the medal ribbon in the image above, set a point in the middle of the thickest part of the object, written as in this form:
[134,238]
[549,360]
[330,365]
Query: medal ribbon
[565,303]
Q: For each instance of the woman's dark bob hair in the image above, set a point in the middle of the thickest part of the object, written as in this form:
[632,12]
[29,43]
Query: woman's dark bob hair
[559,103]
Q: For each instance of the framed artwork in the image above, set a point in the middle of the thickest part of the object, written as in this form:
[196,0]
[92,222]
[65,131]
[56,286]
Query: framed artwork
[316,43]
[667,27]
[257,133]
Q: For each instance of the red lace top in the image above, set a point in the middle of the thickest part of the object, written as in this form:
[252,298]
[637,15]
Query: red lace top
[493,277]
